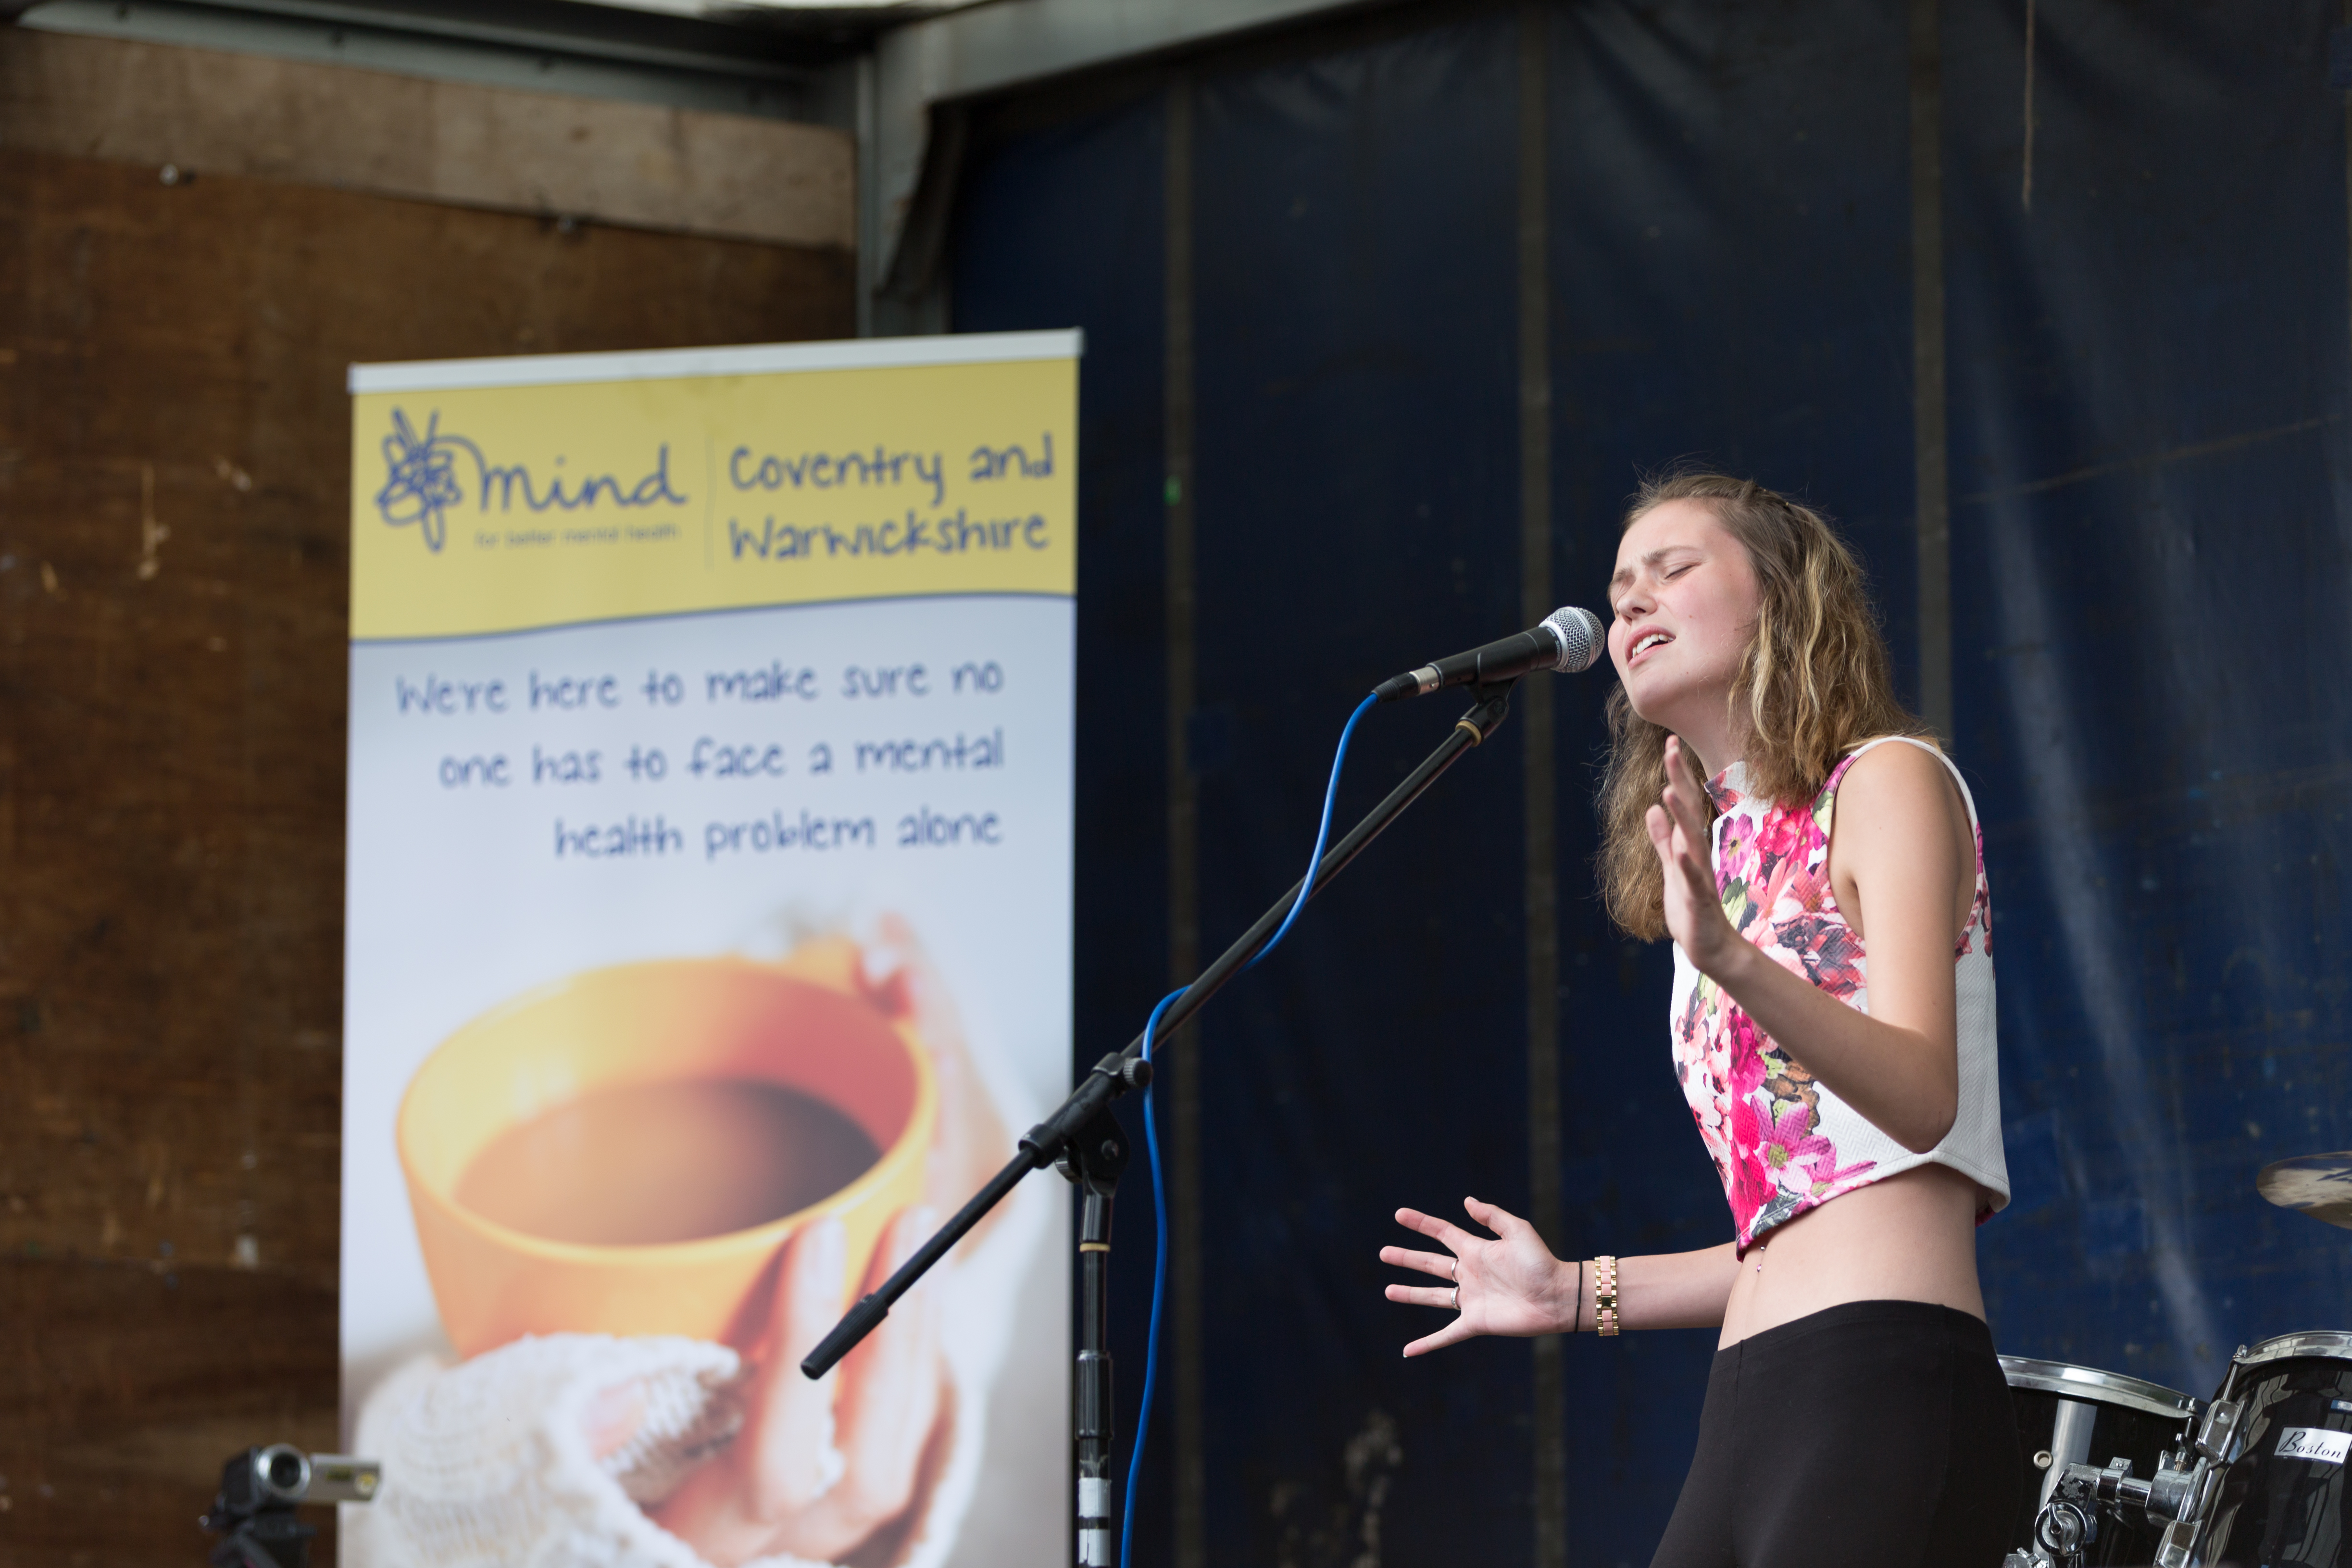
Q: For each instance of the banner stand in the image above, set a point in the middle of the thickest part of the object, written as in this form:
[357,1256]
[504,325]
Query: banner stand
[708,936]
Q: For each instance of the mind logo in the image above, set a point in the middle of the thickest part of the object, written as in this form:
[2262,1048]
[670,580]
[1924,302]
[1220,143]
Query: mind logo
[421,477]
[426,476]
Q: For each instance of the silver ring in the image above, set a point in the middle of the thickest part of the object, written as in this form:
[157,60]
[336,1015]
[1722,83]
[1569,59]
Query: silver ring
[1457,1298]
[1457,1268]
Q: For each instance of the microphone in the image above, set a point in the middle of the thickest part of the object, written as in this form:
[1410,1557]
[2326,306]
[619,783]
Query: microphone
[1569,640]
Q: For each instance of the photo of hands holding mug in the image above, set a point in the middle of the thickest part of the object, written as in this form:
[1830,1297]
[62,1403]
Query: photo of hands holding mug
[642,1193]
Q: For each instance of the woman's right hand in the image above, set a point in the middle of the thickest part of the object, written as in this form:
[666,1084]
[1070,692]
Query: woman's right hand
[1511,1285]
[1694,904]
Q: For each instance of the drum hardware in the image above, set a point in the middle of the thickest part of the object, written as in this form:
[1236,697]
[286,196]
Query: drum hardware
[2061,1530]
[2170,1502]
[2279,1439]
[2173,1501]
[2262,1481]
[2266,1475]
[2218,1436]
[2069,1416]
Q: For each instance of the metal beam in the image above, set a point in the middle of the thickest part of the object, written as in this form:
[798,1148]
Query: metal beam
[584,51]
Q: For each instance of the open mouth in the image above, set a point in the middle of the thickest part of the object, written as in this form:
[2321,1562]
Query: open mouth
[1653,639]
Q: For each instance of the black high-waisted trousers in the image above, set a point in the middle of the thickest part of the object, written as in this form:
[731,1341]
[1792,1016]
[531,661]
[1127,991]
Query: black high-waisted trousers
[1871,1435]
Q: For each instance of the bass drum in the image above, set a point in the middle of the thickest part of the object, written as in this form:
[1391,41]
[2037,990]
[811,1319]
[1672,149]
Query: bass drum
[2080,1415]
[2282,1500]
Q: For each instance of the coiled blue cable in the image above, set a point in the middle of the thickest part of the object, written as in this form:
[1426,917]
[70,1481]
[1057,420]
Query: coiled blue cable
[1151,1144]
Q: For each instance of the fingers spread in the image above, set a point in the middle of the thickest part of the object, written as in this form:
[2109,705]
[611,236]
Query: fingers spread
[1438,1263]
[1443,1232]
[1494,1216]
[1453,1333]
[1423,1295]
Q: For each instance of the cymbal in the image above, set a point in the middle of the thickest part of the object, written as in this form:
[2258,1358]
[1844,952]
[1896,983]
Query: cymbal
[2317,1185]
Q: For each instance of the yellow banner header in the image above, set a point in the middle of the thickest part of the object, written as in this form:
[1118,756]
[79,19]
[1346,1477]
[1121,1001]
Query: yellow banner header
[507,495]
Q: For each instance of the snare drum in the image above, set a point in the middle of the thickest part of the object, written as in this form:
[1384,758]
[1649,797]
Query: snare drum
[2079,1415]
[2280,1504]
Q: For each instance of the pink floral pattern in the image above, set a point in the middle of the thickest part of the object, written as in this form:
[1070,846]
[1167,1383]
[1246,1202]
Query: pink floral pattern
[1759,1112]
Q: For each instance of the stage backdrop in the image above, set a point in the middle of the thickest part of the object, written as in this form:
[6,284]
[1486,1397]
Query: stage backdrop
[1305,265]
[709,937]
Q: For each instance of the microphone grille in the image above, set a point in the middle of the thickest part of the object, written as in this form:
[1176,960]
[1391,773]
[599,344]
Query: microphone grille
[1581,638]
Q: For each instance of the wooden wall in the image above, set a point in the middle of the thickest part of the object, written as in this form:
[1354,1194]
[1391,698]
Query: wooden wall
[676,170]
[174,495]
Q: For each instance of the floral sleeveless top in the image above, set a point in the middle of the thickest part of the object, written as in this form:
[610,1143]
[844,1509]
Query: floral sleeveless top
[1782,1142]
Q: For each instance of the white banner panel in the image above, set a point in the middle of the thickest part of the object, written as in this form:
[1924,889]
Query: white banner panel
[708,940]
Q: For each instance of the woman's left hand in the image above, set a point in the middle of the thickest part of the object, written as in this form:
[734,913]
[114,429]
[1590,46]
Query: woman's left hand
[1678,831]
[1511,1285]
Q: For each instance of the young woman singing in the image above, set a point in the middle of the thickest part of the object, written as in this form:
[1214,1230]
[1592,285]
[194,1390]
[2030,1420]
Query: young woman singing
[1769,805]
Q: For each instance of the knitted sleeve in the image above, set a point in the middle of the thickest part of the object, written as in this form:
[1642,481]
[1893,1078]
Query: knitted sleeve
[487,1465]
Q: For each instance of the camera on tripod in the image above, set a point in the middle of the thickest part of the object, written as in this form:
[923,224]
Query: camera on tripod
[260,1490]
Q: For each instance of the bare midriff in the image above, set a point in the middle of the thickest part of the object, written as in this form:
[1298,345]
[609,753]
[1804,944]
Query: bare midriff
[1911,1237]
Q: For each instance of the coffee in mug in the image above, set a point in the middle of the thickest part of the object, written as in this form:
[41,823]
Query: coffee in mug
[627,1150]
[666,1161]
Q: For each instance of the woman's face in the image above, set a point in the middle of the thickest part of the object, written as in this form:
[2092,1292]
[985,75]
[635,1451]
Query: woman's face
[1685,603]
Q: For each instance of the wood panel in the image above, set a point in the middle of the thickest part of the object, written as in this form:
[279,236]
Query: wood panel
[173,493]
[731,176]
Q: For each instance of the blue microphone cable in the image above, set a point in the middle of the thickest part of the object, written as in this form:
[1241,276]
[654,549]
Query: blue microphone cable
[1152,1143]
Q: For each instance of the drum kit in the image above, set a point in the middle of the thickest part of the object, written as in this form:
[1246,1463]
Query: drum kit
[2254,1478]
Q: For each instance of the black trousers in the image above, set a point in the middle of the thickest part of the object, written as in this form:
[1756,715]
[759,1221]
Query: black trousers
[1871,1435]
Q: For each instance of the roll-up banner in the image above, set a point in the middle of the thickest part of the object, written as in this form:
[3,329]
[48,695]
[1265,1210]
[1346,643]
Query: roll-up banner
[708,940]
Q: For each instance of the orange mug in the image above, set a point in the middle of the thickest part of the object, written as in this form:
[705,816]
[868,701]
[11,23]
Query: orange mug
[805,1026]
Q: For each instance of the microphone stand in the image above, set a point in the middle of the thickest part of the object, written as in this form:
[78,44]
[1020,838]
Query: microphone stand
[1085,1144]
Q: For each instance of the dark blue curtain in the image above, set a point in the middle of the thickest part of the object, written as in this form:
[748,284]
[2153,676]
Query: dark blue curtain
[2149,587]
[1357,459]
[2150,593]
[1060,222]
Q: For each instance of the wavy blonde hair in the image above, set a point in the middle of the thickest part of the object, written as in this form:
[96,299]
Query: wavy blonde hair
[1814,682]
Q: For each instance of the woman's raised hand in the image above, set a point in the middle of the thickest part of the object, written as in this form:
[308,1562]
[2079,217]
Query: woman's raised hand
[1511,1285]
[1678,831]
